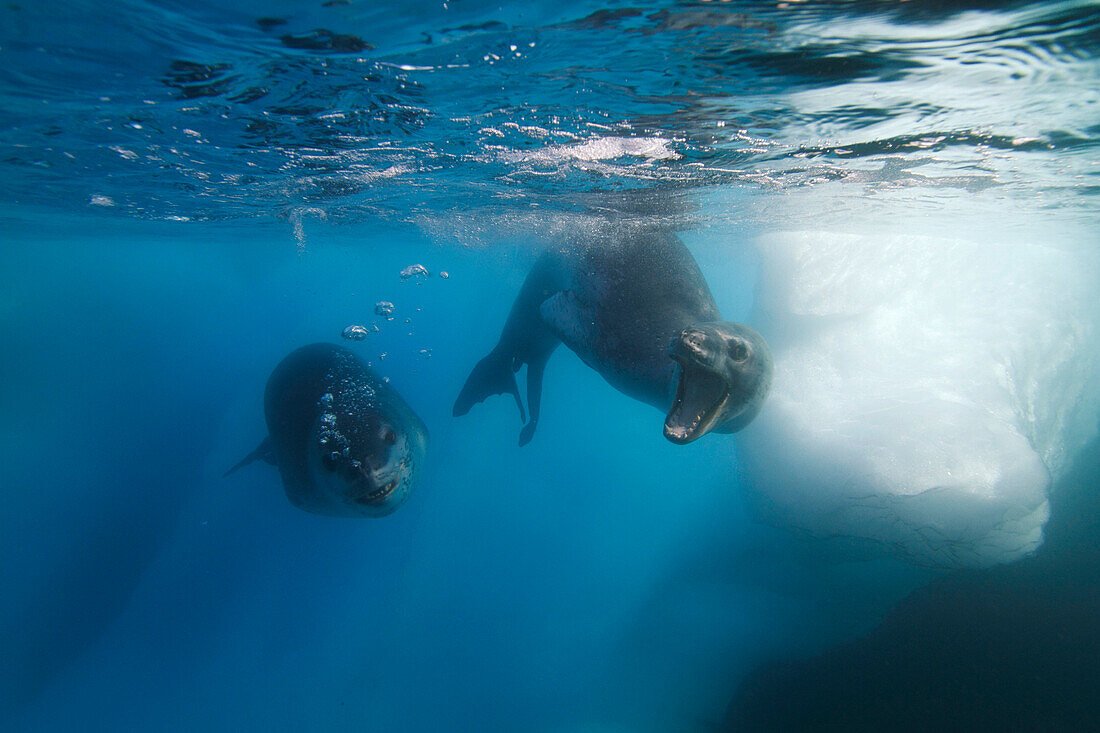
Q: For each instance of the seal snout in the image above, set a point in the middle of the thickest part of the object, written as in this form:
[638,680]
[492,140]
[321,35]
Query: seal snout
[691,344]
[360,476]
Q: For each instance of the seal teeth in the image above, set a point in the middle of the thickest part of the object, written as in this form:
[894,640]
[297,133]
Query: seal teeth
[700,398]
[379,494]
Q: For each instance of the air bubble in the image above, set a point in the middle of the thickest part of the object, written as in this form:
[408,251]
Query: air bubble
[415,271]
[355,332]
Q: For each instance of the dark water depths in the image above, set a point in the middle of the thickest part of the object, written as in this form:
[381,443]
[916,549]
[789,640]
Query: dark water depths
[902,197]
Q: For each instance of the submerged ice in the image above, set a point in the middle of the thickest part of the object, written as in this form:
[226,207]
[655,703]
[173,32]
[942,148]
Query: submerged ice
[926,389]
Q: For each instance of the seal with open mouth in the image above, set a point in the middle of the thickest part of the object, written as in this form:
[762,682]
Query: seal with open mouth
[635,307]
[345,442]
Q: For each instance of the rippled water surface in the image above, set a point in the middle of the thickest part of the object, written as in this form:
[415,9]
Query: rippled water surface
[903,197]
[366,110]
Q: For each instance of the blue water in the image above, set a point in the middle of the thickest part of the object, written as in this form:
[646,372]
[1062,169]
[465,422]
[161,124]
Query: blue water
[190,192]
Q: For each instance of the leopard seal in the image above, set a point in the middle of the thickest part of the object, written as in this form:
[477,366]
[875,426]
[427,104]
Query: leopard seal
[345,443]
[636,308]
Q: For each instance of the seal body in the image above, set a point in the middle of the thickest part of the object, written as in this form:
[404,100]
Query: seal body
[344,441]
[636,308]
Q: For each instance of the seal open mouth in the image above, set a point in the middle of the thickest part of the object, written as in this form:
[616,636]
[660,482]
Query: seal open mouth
[701,395]
[374,495]
[360,484]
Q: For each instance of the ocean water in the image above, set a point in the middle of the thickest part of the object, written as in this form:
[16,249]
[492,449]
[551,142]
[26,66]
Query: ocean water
[902,197]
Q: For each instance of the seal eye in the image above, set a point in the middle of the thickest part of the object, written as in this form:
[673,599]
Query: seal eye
[388,436]
[739,351]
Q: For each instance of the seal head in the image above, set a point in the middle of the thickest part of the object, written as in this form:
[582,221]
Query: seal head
[725,373]
[361,460]
[345,443]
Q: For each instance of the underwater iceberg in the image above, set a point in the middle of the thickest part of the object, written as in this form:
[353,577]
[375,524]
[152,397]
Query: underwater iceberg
[926,392]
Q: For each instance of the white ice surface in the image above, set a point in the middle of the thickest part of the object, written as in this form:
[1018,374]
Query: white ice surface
[926,389]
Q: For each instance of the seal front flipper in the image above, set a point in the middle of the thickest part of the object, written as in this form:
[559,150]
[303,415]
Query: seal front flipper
[567,317]
[264,452]
[493,375]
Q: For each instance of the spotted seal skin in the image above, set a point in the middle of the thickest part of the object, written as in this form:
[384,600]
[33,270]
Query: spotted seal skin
[636,308]
[345,442]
